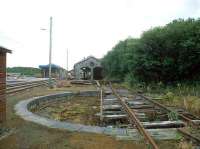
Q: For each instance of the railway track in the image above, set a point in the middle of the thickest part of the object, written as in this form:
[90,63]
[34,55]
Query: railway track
[133,114]
[134,120]
[184,117]
[17,87]
[191,121]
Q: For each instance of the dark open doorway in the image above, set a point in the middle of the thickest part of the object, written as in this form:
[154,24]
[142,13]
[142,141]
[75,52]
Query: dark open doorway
[98,73]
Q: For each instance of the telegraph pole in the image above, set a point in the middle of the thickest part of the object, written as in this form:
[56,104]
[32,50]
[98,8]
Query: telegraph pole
[67,59]
[50,52]
[67,62]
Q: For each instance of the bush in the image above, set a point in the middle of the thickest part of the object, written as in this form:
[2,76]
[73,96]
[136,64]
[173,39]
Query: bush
[28,71]
[163,54]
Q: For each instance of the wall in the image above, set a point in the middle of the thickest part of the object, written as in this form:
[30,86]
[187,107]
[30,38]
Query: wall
[90,63]
[2,87]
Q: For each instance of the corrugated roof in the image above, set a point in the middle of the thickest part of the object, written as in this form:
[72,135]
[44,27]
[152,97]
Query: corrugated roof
[52,66]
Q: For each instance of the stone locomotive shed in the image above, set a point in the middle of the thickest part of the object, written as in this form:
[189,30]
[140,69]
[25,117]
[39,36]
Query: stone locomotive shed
[3,52]
[88,69]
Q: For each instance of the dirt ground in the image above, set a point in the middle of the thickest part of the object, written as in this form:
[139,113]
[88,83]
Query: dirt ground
[29,135]
[81,110]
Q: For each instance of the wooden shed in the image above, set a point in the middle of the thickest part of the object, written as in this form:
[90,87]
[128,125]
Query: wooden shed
[56,71]
[3,52]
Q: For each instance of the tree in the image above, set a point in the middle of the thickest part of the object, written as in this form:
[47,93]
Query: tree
[169,53]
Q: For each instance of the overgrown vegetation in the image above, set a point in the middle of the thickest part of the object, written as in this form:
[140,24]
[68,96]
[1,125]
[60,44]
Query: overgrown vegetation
[167,54]
[164,63]
[28,71]
[77,110]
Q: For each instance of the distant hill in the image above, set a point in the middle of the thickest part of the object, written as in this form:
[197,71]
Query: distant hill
[28,71]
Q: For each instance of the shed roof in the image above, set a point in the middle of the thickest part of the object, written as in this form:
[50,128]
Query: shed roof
[52,66]
[5,50]
[85,59]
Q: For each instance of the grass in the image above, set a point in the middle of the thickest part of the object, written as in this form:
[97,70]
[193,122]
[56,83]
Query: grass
[33,136]
[185,95]
[78,109]
[185,145]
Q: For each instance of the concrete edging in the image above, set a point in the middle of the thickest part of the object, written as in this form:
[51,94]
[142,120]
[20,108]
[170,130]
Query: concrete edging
[22,109]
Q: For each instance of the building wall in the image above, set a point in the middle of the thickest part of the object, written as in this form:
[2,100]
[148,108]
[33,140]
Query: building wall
[2,87]
[90,63]
[45,73]
[55,73]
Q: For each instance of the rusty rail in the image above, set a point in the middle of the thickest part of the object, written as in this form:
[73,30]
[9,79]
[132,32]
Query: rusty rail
[101,105]
[187,134]
[101,98]
[25,86]
[134,120]
[183,117]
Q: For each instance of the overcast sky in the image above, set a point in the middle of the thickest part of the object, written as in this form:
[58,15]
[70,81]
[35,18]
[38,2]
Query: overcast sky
[84,27]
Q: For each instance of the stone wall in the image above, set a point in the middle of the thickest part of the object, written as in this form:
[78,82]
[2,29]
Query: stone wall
[90,63]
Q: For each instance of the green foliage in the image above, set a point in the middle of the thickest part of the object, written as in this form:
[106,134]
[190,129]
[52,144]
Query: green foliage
[169,96]
[170,53]
[173,116]
[29,71]
[120,60]
[162,54]
[130,79]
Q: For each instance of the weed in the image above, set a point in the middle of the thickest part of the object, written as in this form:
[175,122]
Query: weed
[185,145]
[172,116]
[169,96]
